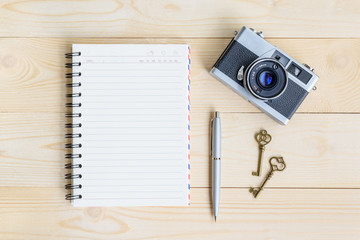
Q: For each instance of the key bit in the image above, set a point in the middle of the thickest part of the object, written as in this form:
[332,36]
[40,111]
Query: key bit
[263,138]
[254,191]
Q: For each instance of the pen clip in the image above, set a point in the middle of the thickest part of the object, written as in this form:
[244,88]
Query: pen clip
[211,136]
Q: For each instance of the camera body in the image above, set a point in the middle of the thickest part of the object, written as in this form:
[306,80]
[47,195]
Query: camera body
[265,75]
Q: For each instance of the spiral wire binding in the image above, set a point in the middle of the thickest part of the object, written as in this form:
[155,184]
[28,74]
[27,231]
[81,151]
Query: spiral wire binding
[72,197]
[70,186]
[72,105]
[72,156]
[74,74]
[74,64]
[69,145]
[72,176]
[72,54]
[72,125]
[72,166]
[72,95]
[73,85]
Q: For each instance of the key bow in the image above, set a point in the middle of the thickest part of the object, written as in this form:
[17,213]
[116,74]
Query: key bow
[263,137]
[277,163]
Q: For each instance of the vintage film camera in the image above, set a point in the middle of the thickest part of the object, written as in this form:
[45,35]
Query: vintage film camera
[263,74]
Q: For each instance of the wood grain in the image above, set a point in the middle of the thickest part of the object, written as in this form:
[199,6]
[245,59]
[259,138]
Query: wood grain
[316,197]
[34,69]
[203,18]
[276,214]
[319,150]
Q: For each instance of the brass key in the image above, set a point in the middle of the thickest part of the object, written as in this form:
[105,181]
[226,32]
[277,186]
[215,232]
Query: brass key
[276,164]
[262,138]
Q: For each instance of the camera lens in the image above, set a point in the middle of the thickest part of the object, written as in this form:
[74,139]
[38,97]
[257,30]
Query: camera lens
[265,81]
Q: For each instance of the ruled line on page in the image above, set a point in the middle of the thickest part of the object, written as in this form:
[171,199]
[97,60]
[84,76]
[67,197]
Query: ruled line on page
[134,124]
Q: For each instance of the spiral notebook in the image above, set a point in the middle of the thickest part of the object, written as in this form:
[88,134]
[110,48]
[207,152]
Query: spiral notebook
[128,136]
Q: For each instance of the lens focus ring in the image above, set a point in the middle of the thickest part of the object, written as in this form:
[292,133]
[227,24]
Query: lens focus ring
[266,79]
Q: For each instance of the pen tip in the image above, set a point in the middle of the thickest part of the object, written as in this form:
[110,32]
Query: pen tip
[215,218]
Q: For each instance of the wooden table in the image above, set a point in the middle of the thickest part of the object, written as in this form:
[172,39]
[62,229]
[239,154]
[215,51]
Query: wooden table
[316,197]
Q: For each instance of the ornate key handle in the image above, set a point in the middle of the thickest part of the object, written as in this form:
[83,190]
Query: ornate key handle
[277,163]
[263,137]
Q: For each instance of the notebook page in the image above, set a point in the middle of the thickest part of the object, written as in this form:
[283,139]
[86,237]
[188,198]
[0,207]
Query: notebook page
[135,125]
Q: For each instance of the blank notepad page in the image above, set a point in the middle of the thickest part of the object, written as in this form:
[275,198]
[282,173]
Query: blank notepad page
[134,142]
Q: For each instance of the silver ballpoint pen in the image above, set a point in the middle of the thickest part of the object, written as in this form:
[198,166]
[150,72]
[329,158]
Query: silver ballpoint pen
[216,161]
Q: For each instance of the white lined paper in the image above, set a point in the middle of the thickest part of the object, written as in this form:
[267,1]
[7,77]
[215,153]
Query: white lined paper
[134,117]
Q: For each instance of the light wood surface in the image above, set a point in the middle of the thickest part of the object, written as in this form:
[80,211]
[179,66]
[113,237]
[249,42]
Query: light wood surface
[201,18]
[283,214]
[34,68]
[316,197]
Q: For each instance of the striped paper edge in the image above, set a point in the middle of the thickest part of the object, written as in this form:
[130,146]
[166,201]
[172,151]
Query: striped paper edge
[188,130]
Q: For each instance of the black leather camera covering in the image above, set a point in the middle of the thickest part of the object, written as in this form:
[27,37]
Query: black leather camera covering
[290,100]
[236,55]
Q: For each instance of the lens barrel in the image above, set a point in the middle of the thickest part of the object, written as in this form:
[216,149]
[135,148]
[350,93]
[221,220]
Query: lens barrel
[266,79]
